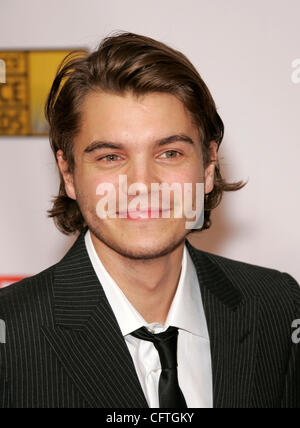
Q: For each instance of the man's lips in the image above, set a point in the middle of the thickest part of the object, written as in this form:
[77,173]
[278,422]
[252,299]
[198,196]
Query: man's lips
[133,215]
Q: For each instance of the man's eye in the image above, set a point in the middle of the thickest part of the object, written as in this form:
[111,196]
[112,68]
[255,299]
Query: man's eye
[170,155]
[109,158]
[170,152]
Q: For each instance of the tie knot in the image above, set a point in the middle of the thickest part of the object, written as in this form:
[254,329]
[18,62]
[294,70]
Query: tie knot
[165,343]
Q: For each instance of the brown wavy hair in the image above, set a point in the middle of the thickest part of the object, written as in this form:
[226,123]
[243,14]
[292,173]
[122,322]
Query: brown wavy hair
[127,62]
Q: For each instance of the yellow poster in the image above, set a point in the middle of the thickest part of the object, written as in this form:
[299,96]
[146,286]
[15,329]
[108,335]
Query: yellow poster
[26,79]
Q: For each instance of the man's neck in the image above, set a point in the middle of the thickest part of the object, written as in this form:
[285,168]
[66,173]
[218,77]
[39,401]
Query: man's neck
[150,285]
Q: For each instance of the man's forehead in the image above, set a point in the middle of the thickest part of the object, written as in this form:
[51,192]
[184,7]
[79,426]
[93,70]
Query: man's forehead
[104,126]
[148,104]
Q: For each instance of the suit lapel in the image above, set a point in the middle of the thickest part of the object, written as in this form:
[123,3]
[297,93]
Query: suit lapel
[232,325]
[86,337]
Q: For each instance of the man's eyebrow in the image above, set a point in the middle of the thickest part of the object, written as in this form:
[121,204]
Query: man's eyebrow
[97,145]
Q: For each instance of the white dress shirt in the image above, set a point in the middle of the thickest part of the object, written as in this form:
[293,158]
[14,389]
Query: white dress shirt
[186,313]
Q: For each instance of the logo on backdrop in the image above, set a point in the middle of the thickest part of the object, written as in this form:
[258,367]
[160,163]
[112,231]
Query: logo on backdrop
[25,81]
[296,72]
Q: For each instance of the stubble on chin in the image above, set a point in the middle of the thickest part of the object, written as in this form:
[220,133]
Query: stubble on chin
[135,253]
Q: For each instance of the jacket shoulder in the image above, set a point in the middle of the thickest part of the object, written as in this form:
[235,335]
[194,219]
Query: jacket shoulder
[255,280]
[28,292]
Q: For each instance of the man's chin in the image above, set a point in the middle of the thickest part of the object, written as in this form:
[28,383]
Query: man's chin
[144,252]
[138,247]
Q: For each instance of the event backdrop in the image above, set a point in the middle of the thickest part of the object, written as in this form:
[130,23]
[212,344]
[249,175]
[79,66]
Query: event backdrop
[248,52]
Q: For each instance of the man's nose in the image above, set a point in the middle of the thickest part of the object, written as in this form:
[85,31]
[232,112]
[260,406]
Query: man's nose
[142,171]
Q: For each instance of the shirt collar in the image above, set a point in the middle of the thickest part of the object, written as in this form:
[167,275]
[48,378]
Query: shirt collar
[186,311]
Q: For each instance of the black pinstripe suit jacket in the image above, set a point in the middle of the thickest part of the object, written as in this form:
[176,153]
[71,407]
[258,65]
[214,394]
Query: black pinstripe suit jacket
[64,347]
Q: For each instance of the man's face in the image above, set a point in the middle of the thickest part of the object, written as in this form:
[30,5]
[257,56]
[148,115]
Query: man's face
[135,127]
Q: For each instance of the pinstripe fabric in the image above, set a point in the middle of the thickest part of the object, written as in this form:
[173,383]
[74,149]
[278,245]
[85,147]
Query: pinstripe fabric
[65,348]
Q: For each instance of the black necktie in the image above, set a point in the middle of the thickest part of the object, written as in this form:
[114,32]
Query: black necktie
[170,394]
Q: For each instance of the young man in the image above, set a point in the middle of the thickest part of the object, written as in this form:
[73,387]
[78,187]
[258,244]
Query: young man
[134,316]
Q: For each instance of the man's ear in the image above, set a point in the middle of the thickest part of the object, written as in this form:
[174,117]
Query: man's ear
[210,170]
[67,176]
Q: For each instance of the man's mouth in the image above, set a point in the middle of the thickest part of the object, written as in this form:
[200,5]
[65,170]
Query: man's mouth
[151,214]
